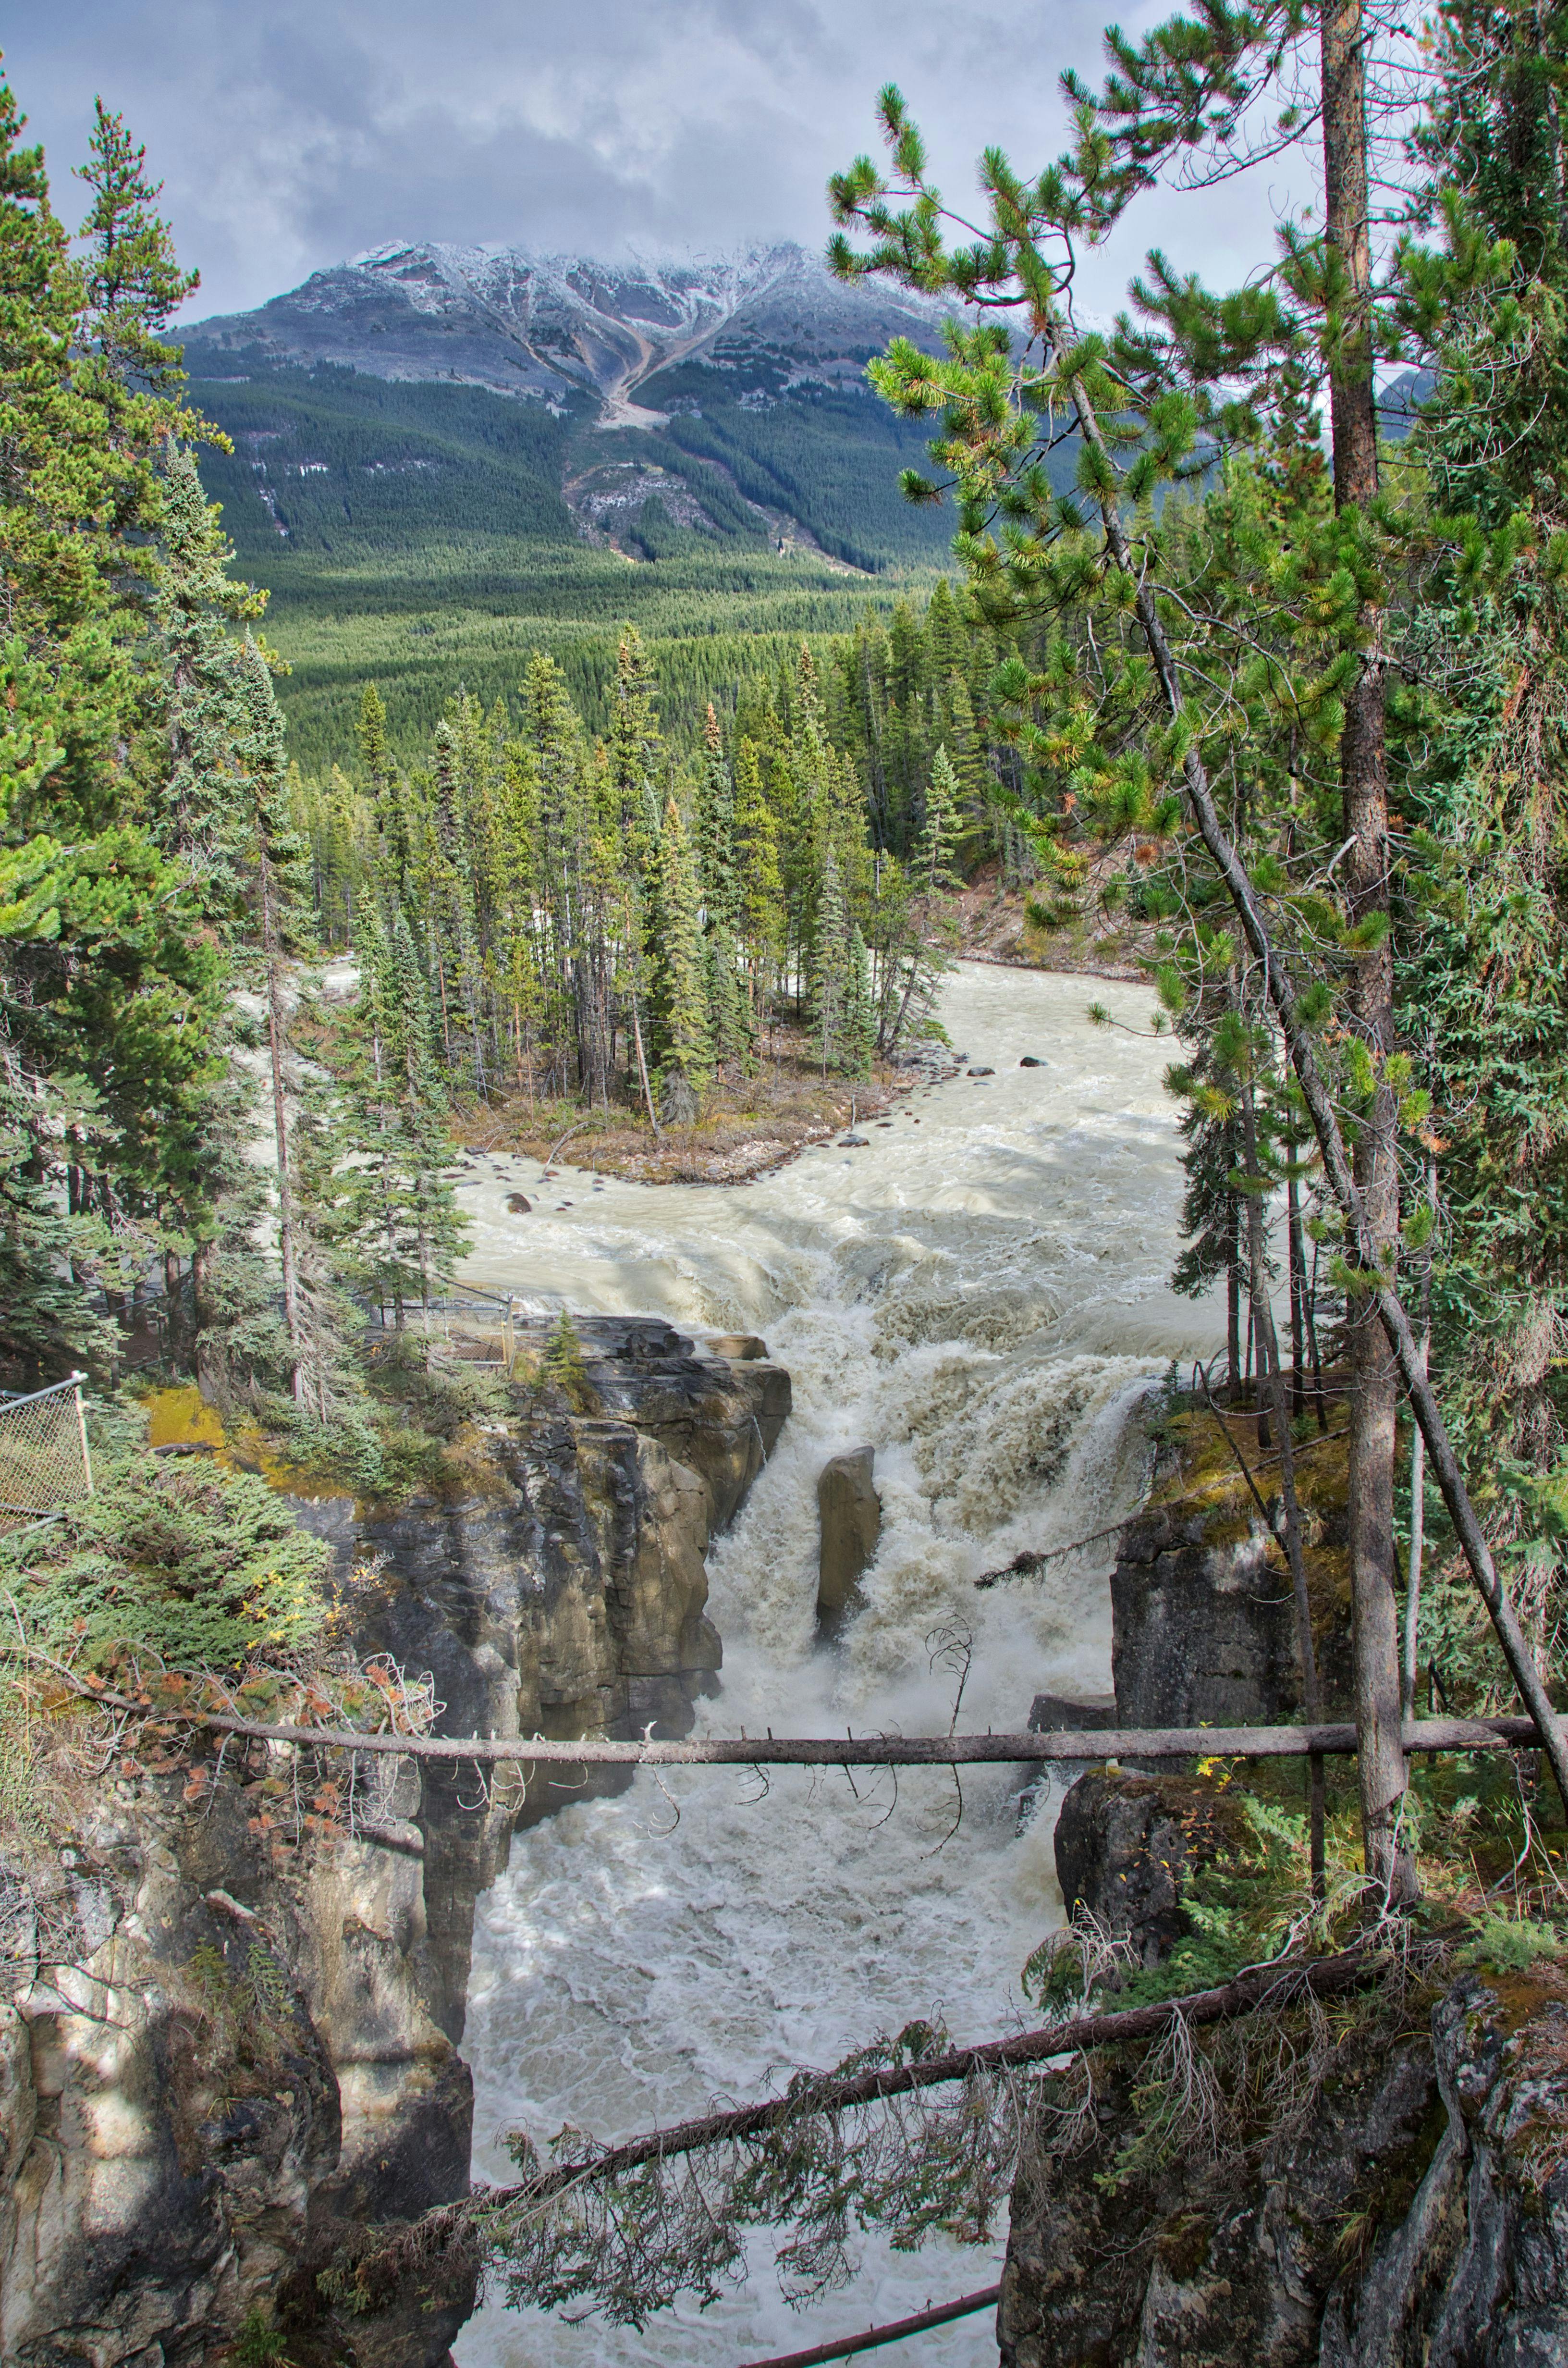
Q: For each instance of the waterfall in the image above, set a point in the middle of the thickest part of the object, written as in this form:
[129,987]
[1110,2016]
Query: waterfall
[981,1295]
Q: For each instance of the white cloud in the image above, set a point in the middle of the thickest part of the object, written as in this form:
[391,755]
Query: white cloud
[289,135]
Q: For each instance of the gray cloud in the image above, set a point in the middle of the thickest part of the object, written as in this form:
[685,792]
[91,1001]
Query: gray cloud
[289,136]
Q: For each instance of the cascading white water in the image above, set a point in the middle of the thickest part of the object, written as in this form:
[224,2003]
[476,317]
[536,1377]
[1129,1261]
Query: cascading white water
[980,1294]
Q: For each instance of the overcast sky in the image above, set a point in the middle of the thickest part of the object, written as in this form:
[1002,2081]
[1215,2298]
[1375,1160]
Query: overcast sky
[291,134]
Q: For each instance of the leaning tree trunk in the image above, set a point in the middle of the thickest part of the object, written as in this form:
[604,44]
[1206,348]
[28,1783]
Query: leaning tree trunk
[1390,1865]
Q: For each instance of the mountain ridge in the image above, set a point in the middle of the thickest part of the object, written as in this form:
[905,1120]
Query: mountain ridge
[558,326]
[445,458]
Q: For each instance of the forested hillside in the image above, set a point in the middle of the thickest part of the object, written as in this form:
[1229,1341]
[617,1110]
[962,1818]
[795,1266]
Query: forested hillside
[425,530]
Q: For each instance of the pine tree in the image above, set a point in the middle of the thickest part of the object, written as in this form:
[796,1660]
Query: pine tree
[759,881]
[202,819]
[633,755]
[680,1003]
[563,1367]
[133,282]
[859,1035]
[728,1011]
[831,970]
[933,866]
[384,1208]
[1289,737]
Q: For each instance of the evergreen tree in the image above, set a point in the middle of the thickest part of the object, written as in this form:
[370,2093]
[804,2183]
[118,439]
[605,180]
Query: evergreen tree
[682,1044]
[858,1034]
[633,755]
[831,968]
[202,819]
[759,883]
[133,282]
[563,1367]
[386,1209]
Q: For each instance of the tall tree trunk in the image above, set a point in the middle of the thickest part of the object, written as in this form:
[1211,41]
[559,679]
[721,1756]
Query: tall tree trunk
[1233,1305]
[276,1029]
[1297,1264]
[1380,1762]
[642,1066]
[1418,1478]
[1271,1380]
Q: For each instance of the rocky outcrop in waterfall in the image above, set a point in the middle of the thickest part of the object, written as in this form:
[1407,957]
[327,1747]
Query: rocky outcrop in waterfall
[849,1517]
[232,2055]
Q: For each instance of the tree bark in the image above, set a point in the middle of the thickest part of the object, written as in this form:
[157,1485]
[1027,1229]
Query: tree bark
[1390,1865]
[276,1030]
[1272,1380]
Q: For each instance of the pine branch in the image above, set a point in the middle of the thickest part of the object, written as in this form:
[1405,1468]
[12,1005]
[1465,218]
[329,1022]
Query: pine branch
[476,2221]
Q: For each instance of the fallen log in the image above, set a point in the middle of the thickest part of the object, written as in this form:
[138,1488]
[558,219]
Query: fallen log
[897,1751]
[835,1751]
[1278,1985]
[870,2338]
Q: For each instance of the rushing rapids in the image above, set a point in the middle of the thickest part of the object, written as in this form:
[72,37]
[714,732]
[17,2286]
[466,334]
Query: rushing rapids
[981,1293]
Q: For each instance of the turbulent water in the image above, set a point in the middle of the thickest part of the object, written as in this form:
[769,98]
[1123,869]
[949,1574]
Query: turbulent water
[981,1293]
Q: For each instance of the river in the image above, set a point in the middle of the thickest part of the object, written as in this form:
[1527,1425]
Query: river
[981,1294]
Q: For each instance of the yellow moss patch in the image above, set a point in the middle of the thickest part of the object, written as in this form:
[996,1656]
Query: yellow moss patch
[182,1417]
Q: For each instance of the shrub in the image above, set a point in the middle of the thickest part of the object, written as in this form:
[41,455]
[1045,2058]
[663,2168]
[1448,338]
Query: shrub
[184,1562]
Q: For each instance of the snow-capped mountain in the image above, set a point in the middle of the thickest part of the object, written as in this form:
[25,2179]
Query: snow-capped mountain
[555,326]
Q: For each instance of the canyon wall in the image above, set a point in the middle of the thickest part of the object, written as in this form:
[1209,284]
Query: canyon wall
[234,2054]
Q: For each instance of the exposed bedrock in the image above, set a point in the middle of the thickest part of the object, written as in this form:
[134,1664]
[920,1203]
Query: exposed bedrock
[253,2052]
[1414,2215]
[849,1517]
[1382,2186]
[1126,1845]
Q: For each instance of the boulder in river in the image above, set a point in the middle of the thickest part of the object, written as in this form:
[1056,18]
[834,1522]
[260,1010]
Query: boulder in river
[849,1513]
[1031,1061]
[519,1204]
[983,1073]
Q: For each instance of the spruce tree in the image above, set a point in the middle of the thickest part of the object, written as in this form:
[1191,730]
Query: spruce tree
[830,967]
[933,866]
[385,1208]
[759,881]
[682,1043]
[203,813]
[134,285]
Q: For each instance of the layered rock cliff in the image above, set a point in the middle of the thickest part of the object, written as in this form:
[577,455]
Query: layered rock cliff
[1410,2212]
[220,2057]
[1378,2183]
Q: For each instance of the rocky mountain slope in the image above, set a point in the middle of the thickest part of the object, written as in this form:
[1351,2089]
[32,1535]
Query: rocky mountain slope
[558,326]
[440,416]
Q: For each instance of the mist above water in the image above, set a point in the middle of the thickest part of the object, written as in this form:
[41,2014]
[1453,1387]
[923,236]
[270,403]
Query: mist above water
[981,1293]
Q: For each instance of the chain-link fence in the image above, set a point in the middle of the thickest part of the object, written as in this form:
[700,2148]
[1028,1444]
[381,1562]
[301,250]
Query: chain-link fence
[44,1462]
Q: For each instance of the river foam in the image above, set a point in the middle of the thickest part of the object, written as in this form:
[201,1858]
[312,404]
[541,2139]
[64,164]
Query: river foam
[982,1297]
